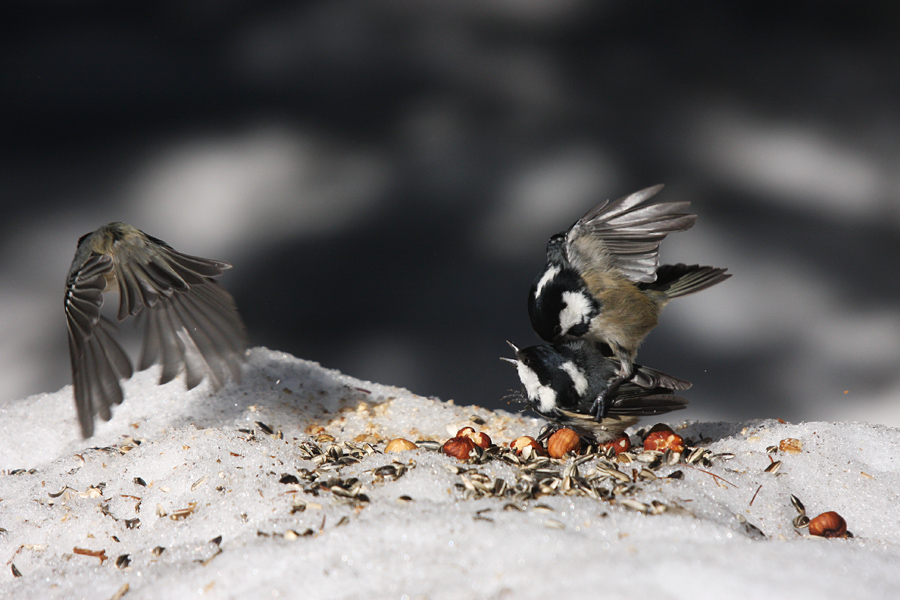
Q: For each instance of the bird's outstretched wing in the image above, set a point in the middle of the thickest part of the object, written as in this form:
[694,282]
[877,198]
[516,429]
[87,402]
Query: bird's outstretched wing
[625,234]
[98,361]
[190,321]
[199,328]
[146,269]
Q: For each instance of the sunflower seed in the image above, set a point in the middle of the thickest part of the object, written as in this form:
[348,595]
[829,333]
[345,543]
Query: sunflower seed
[696,454]
[633,505]
[429,445]
[800,521]
[648,456]
[657,507]
[554,524]
[774,467]
[647,475]
[614,473]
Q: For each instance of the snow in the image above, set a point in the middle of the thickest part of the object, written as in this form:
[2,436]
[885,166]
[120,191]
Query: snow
[247,531]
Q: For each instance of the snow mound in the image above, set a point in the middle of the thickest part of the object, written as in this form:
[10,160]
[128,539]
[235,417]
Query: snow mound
[279,487]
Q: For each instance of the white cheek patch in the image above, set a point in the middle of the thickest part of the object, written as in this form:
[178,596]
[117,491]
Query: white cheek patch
[549,274]
[577,310]
[578,379]
[544,396]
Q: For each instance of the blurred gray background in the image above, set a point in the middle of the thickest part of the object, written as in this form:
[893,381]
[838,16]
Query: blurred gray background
[384,176]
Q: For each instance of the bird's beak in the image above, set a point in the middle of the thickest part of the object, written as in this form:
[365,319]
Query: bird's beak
[511,361]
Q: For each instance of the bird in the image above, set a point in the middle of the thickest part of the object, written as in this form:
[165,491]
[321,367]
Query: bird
[561,382]
[191,323]
[602,280]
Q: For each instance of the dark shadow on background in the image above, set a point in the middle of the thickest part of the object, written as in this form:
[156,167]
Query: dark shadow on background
[88,87]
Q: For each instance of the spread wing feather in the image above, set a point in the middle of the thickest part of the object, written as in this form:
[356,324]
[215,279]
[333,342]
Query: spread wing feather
[625,234]
[98,361]
[191,322]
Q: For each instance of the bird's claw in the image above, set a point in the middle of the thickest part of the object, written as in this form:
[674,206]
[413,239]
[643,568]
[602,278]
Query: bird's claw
[600,407]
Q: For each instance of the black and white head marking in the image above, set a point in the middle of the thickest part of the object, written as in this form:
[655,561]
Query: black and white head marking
[578,310]
[545,278]
[540,394]
[578,376]
[560,305]
[551,381]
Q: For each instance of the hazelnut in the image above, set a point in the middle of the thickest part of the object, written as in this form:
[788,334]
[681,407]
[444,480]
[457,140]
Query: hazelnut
[562,442]
[459,447]
[791,445]
[399,445]
[664,440]
[481,439]
[828,524]
[525,441]
[619,445]
[478,438]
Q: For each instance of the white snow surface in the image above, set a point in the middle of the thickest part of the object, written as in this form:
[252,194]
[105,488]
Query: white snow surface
[204,457]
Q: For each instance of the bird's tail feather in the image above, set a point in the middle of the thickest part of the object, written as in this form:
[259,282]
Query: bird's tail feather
[645,404]
[680,280]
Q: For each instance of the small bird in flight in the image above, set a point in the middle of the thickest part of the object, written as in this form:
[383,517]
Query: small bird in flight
[191,322]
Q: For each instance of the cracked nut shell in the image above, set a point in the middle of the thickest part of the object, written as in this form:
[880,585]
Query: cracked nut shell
[791,446]
[525,441]
[663,440]
[479,438]
[619,445]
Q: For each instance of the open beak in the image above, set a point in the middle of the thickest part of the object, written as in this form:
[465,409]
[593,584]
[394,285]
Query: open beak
[515,348]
